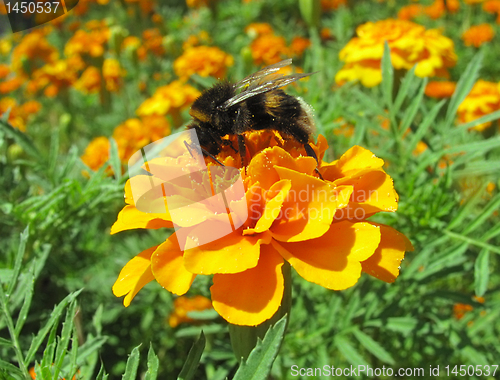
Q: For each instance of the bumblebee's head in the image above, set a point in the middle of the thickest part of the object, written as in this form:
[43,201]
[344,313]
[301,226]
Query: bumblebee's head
[205,107]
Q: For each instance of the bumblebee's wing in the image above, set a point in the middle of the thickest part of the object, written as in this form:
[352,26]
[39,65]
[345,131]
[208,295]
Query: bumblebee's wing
[262,85]
[256,77]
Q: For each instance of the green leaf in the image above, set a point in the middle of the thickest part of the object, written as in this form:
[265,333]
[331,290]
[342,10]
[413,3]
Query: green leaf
[374,347]
[102,375]
[153,364]
[406,84]
[259,362]
[193,359]
[387,76]
[54,317]
[63,343]
[19,259]
[132,365]
[464,86]
[482,272]
[11,368]
[23,140]
[424,126]
[114,159]
[411,112]
[349,352]
[23,313]
[401,324]
[486,213]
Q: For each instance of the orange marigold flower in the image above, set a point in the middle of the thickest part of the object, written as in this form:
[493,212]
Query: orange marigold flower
[452,5]
[4,70]
[10,85]
[478,34]
[409,12]
[88,43]
[90,81]
[318,226]
[435,10]
[145,5]
[299,45]
[97,153]
[194,40]
[167,99]
[460,309]
[33,374]
[268,49]
[57,76]
[155,126]
[184,305]
[153,42]
[328,5]
[203,60]
[130,136]
[483,99]
[112,74]
[19,114]
[258,29]
[420,148]
[440,89]
[493,6]
[199,3]
[411,44]
[33,52]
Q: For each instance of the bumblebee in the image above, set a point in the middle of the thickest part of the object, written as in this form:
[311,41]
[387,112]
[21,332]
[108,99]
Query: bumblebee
[254,103]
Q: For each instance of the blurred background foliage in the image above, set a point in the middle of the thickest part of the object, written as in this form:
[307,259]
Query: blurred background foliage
[443,309]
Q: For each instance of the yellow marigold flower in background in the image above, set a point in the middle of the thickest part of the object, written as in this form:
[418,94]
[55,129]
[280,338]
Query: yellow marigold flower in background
[97,153]
[112,74]
[328,5]
[411,11]
[411,44]
[170,98]
[268,49]
[440,90]
[56,76]
[299,45]
[493,6]
[183,305]
[323,233]
[90,81]
[256,29]
[478,34]
[33,52]
[5,46]
[203,60]
[483,99]
[420,148]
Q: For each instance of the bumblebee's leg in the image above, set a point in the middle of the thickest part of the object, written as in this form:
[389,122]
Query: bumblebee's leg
[311,153]
[229,143]
[204,151]
[243,150]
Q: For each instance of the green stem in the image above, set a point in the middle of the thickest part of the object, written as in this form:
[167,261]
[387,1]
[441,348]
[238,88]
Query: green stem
[12,332]
[244,338]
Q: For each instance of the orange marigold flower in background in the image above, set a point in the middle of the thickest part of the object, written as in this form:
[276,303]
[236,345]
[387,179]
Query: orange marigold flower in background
[112,74]
[483,99]
[343,128]
[153,41]
[493,6]
[57,76]
[299,45]
[170,98]
[478,34]
[145,5]
[97,153]
[268,49]
[4,70]
[90,81]
[323,233]
[88,43]
[440,89]
[33,374]
[10,85]
[435,10]
[32,52]
[409,12]
[199,3]
[130,136]
[420,148]
[411,44]
[203,60]
[19,114]
[183,305]
[155,126]
[471,2]
[194,40]
[328,5]
[256,29]
[460,309]
[453,5]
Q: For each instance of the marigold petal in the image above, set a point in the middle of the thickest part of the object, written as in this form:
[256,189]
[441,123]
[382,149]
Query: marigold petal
[253,296]
[385,262]
[134,275]
[309,209]
[333,260]
[130,218]
[278,191]
[233,253]
[262,167]
[168,267]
